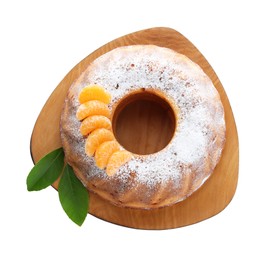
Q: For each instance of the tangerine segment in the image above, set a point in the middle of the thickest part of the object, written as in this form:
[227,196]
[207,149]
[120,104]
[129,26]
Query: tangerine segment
[96,138]
[91,123]
[92,108]
[116,160]
[94,92]
[104,151]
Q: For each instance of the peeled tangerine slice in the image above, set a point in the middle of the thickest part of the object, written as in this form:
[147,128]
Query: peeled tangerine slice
[104,151]
[116,160]
[94,93]
[96,138]
[92,108]
[91,123]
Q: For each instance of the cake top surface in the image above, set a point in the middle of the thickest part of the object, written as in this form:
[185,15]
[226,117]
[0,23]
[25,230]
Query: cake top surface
[200,127]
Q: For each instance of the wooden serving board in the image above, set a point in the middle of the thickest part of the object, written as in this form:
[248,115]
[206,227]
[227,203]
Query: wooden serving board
[210,199]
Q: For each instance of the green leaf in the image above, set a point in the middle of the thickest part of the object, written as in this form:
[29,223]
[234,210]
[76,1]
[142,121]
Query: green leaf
[46,171]
[73,196]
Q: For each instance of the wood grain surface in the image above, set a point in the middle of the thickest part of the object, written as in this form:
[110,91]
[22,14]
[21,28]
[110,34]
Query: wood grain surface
[143,123]
[210,199]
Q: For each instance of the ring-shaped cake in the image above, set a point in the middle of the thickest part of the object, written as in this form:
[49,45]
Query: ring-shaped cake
[182,90]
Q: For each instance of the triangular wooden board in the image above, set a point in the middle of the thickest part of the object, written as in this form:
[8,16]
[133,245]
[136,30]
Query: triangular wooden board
[207,201]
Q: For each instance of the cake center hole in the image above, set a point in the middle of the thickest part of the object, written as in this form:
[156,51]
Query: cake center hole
[143,123]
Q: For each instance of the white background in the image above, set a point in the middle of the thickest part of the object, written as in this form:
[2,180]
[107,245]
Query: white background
[41,42]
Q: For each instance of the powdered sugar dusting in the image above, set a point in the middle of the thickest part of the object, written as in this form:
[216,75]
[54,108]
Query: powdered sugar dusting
[185,85]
